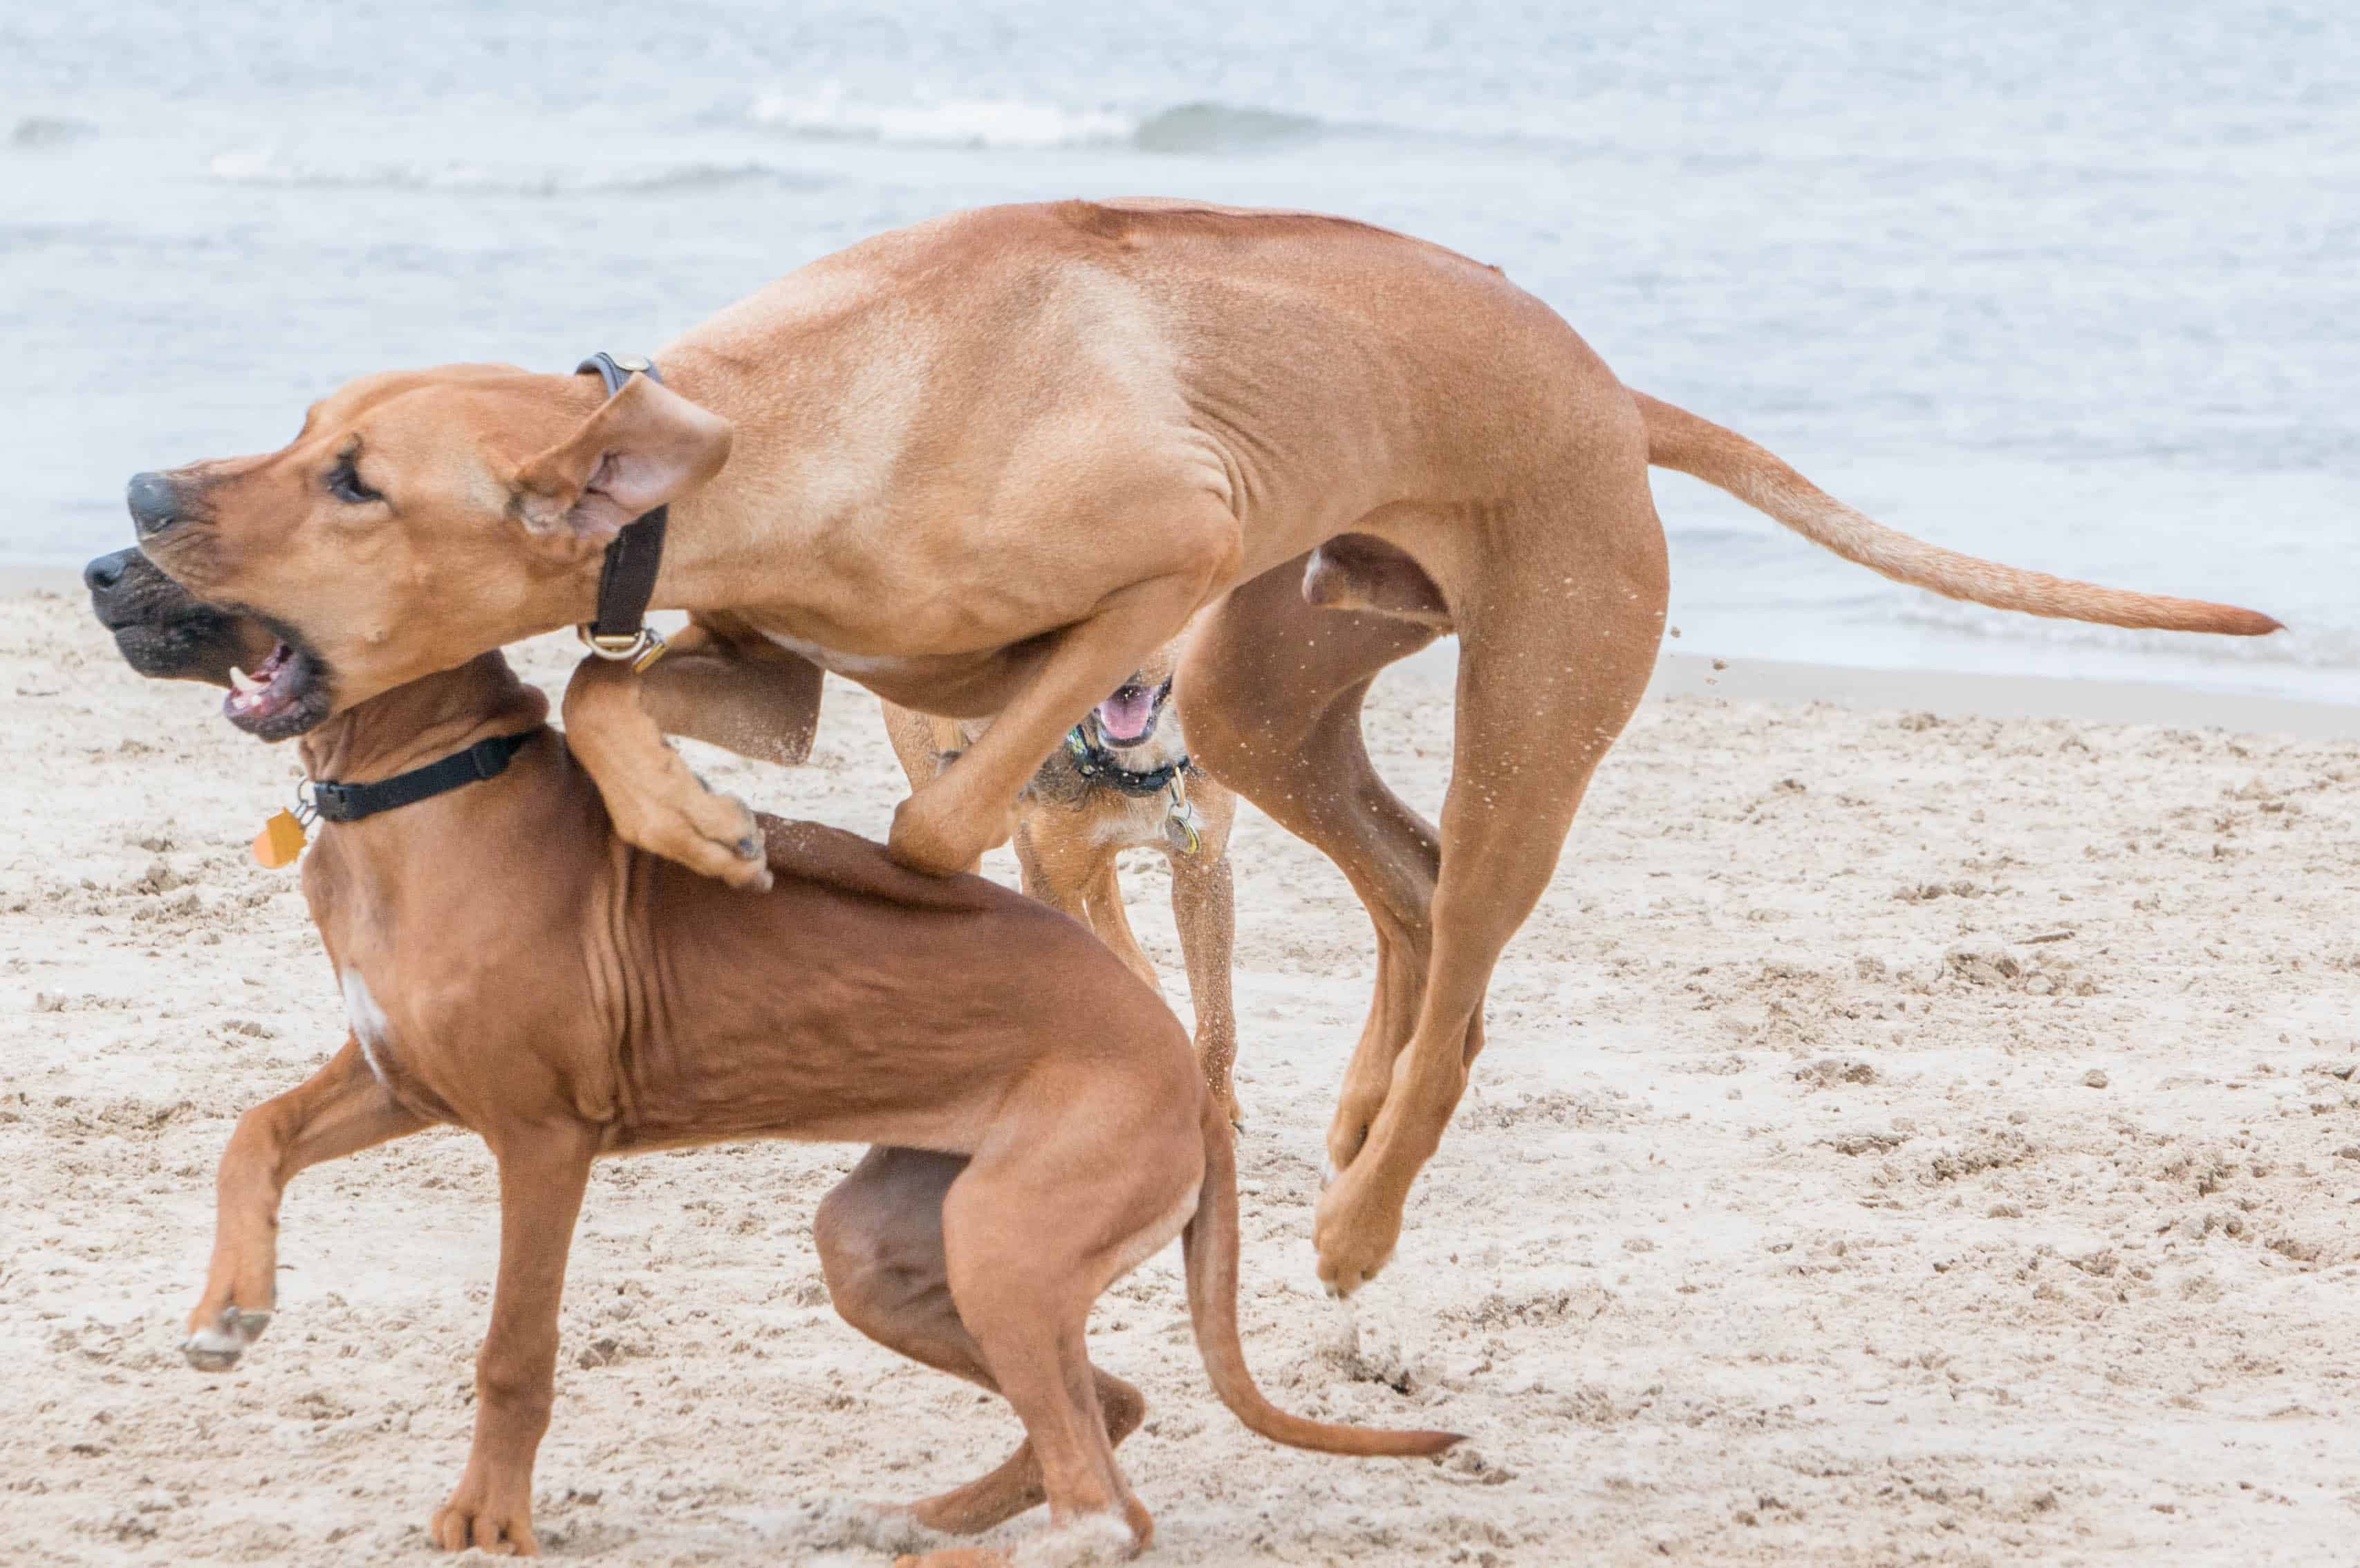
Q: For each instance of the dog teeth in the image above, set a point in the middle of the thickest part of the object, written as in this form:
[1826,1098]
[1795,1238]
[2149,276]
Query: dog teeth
[243,682]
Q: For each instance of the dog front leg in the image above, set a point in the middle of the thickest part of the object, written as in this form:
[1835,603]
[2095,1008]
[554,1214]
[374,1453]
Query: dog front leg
[1203,907]
[948,825]
[656,802]
[339,1110]
[543,1170]
[1065,867]
[915,743]
[740,693]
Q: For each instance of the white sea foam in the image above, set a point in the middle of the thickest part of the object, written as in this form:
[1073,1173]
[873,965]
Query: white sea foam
[829,112]
[270,167]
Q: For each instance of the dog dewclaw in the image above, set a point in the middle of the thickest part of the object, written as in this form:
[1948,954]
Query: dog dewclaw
[280,842]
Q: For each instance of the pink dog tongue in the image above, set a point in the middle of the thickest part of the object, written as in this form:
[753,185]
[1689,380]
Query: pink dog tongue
[1124,717]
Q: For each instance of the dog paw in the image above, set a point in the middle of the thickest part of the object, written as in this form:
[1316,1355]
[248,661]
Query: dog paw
[713,834]
[474,1520]
[1355,1227]
[833,1524]
[1083,1543]
[940,840]
[729,840]
[215,1346]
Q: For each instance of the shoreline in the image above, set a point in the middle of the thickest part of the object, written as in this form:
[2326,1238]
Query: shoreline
[1947,693]
[1962,693]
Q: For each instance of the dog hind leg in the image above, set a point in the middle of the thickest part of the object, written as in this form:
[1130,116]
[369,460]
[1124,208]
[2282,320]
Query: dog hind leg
[1272,687]
[1086,1176]
[880,1244]
[1567,594]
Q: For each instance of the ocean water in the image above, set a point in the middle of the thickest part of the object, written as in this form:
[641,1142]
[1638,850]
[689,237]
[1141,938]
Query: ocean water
[2071,287]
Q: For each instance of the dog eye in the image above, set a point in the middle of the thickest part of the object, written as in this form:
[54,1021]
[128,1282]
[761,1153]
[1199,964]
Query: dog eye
[344,485]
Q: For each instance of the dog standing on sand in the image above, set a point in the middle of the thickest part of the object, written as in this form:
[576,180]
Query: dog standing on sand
[509,966]
[1123,781]
[988,464]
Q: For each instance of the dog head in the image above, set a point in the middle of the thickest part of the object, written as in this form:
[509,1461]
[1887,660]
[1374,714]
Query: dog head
[161,631]
[1138,724]
[418,519]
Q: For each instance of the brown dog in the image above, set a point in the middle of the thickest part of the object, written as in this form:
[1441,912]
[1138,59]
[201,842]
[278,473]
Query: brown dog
[507,965]
[988,464]
[1123,781]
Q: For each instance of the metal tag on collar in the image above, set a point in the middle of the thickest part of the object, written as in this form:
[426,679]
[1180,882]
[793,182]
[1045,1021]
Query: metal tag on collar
[1181,824]
[641,649]
[281,842]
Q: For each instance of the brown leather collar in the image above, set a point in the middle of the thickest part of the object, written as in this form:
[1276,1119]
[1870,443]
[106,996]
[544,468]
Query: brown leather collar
[628,580]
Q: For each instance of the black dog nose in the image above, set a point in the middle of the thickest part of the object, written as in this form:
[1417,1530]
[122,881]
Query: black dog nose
[153,504]
[106,571]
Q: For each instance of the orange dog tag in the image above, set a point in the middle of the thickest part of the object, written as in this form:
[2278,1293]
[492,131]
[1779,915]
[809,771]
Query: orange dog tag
[280,842]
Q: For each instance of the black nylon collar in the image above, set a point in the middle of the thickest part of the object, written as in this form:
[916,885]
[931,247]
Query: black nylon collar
[628,580]
[485,760]
[1098,766]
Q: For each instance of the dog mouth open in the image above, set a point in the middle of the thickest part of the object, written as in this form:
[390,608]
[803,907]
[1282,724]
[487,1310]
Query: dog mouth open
[286,694]
[1129,716]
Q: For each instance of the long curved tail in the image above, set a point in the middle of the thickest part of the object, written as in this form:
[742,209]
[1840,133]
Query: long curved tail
[1208,1246]
[1727,461]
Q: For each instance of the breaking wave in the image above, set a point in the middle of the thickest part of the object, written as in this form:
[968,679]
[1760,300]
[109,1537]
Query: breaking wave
[39,133]
[827,114]
[270,167]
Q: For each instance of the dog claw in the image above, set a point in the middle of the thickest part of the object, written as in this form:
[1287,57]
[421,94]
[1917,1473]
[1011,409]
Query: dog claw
[217,1346]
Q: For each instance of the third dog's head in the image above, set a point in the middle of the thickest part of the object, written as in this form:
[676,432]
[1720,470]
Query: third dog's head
[1138,724]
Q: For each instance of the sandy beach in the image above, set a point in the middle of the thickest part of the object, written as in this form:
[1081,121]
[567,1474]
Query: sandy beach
[1914,1129]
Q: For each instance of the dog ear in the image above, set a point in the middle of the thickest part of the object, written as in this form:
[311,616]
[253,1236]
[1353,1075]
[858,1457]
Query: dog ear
[646,445]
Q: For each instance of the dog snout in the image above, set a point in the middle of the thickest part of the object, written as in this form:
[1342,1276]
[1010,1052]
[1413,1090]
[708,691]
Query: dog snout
[154,503]
[106,571]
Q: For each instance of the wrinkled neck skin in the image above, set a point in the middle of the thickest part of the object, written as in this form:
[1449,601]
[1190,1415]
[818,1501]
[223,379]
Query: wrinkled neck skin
[458,854]
[423,722]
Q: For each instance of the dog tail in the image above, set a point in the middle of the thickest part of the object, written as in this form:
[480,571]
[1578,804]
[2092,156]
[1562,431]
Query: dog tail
[1727,461]
[1209,1248]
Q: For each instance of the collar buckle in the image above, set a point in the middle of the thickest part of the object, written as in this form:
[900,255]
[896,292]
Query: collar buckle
[641,648]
